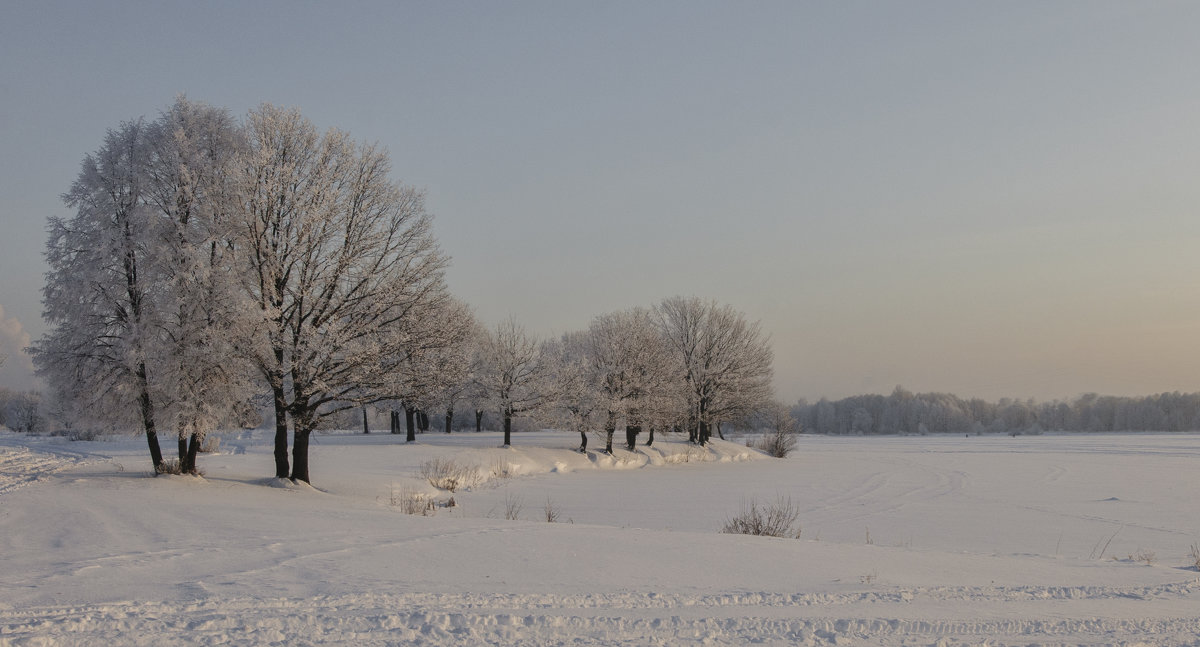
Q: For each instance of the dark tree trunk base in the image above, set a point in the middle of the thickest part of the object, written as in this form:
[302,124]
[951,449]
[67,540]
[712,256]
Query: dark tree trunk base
[281,434]
[300,456]
[189,465]
[410,424]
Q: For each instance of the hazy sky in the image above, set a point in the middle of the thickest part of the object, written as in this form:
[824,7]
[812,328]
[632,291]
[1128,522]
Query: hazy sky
[987,198]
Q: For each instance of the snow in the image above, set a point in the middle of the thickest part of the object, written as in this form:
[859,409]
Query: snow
[1034,540]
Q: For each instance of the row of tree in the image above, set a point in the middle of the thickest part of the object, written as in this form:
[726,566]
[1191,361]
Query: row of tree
[904,412]
[212,261]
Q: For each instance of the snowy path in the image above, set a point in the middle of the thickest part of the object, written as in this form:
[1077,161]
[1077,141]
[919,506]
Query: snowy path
[20,466]
[1027,616]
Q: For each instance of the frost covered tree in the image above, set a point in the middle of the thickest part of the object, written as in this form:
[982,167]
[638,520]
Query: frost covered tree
[431,363]
[516,373]
[192,190]
[578,393]
[726,361]
[631,368]
[100,288]
[22,411]
[337,255]
[453,365]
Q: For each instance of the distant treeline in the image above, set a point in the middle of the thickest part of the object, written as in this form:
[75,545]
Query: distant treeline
[904,412]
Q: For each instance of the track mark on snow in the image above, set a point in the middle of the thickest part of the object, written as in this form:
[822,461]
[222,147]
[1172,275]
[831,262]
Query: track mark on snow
[20,466]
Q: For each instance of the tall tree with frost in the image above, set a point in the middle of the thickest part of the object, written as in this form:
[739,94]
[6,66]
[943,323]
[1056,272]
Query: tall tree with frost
[726,360]
[579,397]
[99,289]
[337,254]
[430,360]
[515,373]
[192,190]
[451,365]
[632,366]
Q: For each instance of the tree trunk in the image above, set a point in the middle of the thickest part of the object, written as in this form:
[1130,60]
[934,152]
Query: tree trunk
[394,421]
[192,450]
[300,455]
[449,419]
[650,437]
[610,428]
[478,420]
[583,441]
[410,423]
[147,407]
[631,432]
[181,439]
[507,428]
[422,420]
[366,428]
[281,431]
[719,434]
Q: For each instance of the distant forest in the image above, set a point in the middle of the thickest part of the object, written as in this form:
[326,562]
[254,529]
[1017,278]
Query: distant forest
[904,412]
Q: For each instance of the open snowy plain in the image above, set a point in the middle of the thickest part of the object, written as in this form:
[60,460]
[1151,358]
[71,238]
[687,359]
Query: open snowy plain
[1034,540]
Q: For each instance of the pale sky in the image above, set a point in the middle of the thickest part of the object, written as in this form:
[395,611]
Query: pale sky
[994,199]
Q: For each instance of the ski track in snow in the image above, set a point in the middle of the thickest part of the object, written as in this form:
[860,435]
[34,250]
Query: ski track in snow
[20,466]
[626,618]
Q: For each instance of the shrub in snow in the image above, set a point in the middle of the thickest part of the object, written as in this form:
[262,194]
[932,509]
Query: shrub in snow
[445,474]
[512,507]
[552,511]
[778,443]
[776,520]
[410,501]
[501,468]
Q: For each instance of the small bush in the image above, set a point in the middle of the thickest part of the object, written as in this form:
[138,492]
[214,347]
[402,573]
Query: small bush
[775,520]
[512,507]
[445,474]
[86,433]
[1147,557]
[410,501]
[778,443]
[552,511]
[169,466]
[501,468]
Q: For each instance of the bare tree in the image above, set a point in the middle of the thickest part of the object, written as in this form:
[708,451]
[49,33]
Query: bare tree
[726,361]
[191,188]
[432,361]
[515,373]
[579,396]
[338,258]
[98,297]
[632,366]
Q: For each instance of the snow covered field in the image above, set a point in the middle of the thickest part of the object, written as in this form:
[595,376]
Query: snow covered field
[1046,540]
